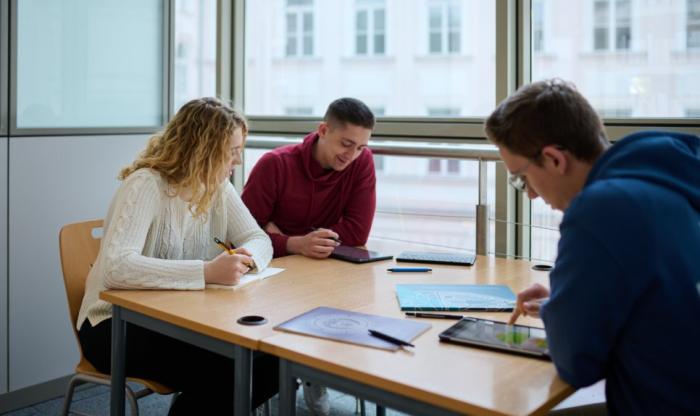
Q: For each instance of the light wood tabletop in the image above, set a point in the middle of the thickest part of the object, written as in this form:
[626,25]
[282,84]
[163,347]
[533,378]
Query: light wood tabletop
[462,379]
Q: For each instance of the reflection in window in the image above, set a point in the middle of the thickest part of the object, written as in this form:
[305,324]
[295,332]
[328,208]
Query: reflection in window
[195,50]
[444,27]
[370,27]
[300,28]
[693,24]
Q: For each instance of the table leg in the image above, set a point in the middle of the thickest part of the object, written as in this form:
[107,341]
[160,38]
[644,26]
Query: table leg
[243,381]
[118,362]
[287,403]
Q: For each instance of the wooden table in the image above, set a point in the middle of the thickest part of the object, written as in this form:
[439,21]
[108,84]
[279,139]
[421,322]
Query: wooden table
[436,378]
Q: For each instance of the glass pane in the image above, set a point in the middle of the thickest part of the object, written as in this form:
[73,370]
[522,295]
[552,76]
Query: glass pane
[545,231]
[291,23]
[274,81]
[361,47]
[445,220]
[195,40]
[379,20]
[435,42]
[308,45]
[435,18]
[652,78]
[89,63]
[379,44]
[362,21]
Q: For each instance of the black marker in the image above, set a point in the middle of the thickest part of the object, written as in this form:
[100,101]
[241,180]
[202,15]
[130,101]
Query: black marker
[433,315]
[389,338]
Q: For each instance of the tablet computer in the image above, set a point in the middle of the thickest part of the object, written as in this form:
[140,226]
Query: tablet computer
[517,339]
[357,255]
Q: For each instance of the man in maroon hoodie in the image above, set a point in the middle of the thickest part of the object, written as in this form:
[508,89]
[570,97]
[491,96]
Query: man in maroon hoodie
[310,196]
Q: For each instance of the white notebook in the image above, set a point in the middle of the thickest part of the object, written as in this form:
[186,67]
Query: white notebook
[248,278]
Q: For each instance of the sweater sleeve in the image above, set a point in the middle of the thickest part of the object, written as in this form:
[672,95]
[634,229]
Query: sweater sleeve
[260,195]
[356,222]
[136,204]
[243,230]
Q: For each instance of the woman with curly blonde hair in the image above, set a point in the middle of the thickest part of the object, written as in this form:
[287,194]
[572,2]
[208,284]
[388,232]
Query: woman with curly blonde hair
[159,233]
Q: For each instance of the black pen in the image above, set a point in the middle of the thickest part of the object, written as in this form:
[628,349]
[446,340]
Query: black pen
[433,315]
[389,338]
[337,240]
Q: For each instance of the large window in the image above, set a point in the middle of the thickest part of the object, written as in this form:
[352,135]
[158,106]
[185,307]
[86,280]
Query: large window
[353,55]
[89,63]
[195,50]
[370,27]
[300,28]
[445,26]
[653,79]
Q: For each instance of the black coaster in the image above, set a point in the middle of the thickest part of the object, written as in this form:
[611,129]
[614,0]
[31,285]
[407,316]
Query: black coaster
[252,320]
[542,267]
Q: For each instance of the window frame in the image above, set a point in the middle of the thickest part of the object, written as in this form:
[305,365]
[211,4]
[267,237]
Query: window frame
[513,58]
[448,9]
[167,94]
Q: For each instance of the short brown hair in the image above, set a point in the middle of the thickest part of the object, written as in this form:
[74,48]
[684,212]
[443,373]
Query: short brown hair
[349,110]
[191,150]
[549,112]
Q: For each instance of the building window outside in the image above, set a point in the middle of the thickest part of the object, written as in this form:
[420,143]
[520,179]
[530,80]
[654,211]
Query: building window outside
[195,51]
[615,112]
[693,25]
[692,112]
[538,25]
[444,27]
[299,111]
[370,27]
[300,28]
[612,20]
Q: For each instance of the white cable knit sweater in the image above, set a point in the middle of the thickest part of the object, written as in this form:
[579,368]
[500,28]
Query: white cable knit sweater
[152,241]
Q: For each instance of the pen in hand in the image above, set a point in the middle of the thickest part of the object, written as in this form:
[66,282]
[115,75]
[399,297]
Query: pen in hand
[337,240]
[389,338]
[230,250]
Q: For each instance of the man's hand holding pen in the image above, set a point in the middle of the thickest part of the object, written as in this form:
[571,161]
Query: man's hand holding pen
[319,243]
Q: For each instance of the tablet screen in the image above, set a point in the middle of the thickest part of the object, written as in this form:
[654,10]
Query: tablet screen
[493,334]
[357,255]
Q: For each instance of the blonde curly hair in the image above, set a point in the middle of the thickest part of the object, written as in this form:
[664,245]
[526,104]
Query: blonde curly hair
[192,150]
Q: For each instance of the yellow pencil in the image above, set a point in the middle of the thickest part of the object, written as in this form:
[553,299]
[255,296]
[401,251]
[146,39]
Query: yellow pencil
[224,246]
[229,250]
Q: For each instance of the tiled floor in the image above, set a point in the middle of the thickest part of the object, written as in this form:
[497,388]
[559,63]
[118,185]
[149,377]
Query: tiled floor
[95,401]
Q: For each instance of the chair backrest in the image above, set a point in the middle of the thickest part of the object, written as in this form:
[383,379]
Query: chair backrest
[79,249]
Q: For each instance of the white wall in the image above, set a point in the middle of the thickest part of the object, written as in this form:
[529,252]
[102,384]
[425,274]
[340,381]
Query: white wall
[52,181]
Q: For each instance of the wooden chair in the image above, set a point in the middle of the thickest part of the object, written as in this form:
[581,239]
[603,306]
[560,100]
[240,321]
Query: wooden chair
[79,249]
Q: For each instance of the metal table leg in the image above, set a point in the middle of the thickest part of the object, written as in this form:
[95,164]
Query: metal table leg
[287,404]
[118,362]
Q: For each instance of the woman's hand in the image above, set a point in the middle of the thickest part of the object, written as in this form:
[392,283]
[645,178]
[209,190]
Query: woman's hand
[227,269]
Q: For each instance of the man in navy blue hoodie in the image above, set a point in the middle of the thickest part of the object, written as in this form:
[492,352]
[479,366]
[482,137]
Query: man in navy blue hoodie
[625,289]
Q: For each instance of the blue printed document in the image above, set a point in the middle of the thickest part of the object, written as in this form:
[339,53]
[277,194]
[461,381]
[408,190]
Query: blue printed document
[493,298]
[353,327]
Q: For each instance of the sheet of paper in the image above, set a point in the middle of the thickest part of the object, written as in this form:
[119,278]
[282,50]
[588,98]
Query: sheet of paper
[248,278]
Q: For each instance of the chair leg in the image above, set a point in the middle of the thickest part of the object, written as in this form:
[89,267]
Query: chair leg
[132,401]
[381,410]
[360,406]
[74,382]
